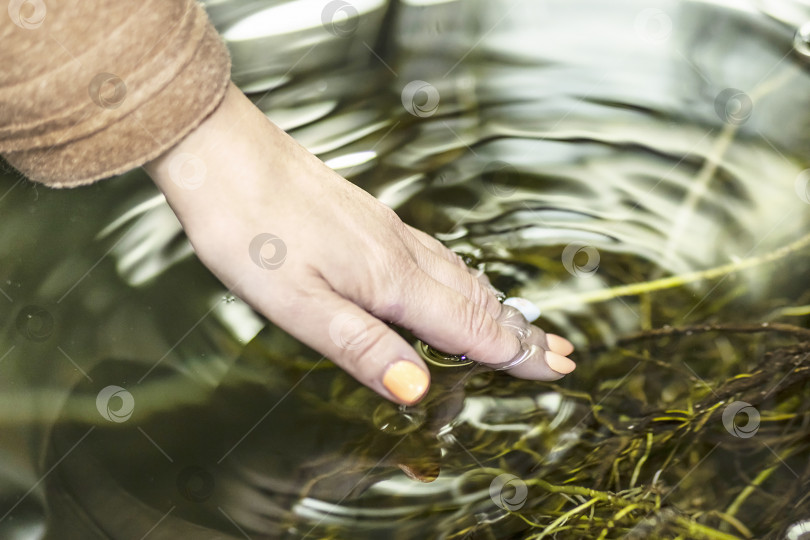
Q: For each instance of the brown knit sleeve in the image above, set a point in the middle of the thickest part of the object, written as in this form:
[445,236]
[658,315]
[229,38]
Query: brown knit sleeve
[93,88]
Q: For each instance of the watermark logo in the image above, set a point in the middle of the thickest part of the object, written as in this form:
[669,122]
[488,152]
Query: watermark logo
[751,426]
[801,41]
[733,106]
[340,18]
[195,484]
[28,14]
[35,323]
[348,331]
[115,404]
[187,170]
[500,178]
[802,186]
[508,492]
[653,25]
[107,90]
[420,98]
[572,260]
[268,251]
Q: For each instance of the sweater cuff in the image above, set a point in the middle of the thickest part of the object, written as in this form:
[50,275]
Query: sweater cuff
[140,132]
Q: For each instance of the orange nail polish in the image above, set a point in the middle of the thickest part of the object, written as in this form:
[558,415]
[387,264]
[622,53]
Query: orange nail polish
[559,345]
[559,363]
[406,381]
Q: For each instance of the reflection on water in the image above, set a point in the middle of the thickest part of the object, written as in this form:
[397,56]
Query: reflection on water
[569,147]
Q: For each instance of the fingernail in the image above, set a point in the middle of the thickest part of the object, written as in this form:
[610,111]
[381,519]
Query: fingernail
[559,344]
[559,363]
[406,381]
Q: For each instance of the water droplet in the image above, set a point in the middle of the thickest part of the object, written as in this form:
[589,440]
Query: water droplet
[801,41]
[394,420]
[229,299]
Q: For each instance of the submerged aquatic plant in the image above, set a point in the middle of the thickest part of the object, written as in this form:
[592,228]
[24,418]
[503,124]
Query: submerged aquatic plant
[695,431]
[677,445]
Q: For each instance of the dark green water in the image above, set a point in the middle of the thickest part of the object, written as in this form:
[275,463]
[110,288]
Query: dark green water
[569,148]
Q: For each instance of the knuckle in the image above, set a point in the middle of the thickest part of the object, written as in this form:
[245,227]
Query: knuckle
[390,222]
[391,218]
[493,306]
[479,326]
[480,293]
[476,293]
[384,276]
[456,258]
[391,276]
[487,342]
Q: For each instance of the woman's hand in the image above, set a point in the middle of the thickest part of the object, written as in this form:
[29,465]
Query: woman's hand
[330,264]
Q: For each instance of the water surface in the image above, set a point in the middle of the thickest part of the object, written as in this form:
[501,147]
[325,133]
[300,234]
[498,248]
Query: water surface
[567,147]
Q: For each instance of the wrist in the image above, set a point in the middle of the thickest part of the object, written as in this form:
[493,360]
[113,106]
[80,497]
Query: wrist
[228,161]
